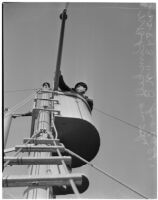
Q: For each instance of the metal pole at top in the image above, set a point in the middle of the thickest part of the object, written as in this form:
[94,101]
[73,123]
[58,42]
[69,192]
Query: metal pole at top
[63,17]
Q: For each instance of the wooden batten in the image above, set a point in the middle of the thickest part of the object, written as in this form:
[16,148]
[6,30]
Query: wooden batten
[56,160]
[31,148]
[36,181]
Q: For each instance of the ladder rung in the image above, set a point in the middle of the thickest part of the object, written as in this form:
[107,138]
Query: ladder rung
[54,100]
[55,180]
[41,92]
[30,148]
[39,141]
[38,160]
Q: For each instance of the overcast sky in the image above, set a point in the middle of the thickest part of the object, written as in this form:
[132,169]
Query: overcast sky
[99,48]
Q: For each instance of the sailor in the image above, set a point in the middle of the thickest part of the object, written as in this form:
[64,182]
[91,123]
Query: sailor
[80,88]
[46,85]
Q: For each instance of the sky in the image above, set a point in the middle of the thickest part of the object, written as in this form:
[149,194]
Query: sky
[111,47]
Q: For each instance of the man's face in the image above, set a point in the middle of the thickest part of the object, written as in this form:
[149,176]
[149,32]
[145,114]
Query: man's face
[45,86]
[80,89]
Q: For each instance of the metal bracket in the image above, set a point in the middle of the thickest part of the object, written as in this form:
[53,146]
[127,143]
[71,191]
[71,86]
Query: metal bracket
[56,112]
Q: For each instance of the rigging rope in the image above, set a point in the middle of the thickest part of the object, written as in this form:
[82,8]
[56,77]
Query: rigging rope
[22,90]
[33,136]
[125,122]
[104,173]
[107,114]
[17,106]
[55,130]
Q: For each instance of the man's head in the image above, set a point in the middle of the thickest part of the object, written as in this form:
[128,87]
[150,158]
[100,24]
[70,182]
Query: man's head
[81,88]
[46,85]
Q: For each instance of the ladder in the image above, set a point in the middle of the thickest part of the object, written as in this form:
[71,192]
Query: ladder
[49,169]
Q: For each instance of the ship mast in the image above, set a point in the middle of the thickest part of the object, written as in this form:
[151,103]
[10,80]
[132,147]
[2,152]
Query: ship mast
[48,160]
[45,129]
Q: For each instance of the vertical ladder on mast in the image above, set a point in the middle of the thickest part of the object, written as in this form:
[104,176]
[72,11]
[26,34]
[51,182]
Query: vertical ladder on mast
[49,171]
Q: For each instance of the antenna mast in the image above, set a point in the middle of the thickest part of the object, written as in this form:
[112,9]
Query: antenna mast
[63,17]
